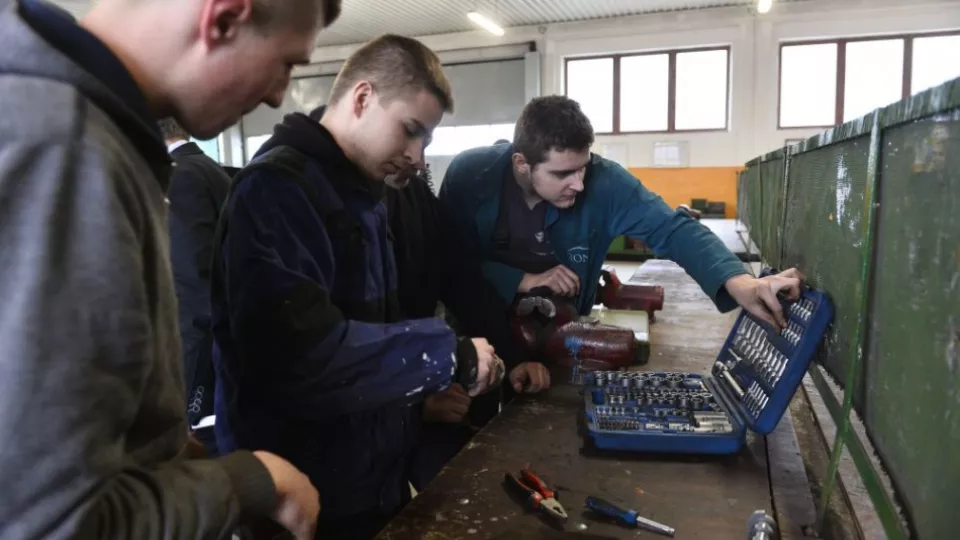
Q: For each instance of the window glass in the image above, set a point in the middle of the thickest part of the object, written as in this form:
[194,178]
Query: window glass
[874,76]
[936,60]
[590,83]
[808,85]
[644,92]
[701,90]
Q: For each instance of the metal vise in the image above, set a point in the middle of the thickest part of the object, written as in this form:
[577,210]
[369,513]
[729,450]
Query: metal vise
[613,294]
[551,330]
[593,346]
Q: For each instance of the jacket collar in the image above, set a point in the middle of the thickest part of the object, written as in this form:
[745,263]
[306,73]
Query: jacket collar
[24,51]
[489,181]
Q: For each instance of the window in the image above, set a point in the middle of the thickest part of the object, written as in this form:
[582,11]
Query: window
[590,83]
[827,83]
[808,85]
[645,81]
[873,73]
[701,92]
[210,147]
[254,143]
[451,140]
[935,61]
[664,91]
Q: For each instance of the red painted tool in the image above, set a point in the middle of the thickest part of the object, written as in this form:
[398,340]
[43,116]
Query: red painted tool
[594,347]
[551,331]
[613,294]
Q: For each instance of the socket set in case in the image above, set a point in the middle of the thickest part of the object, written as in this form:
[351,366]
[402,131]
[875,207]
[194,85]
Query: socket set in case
[751,384]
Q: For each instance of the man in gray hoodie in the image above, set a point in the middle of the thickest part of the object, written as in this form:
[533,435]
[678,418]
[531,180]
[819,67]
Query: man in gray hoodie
[92,421]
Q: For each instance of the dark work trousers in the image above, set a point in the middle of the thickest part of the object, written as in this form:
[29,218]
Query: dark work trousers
[438,444]
[360,527]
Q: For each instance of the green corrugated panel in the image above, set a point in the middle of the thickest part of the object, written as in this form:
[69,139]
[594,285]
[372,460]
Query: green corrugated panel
[823,235]
[773,155]
[772,180]
[765,197]
[913,361]
[945,97]
[757,203]
[752,202]
[743,207]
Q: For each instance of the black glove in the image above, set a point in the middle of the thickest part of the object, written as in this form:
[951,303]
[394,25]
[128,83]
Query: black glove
[467,361]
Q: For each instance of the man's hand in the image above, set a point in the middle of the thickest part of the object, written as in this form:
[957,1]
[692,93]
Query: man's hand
[530,378]
[449,406]
[560,279]
[759,296]
[490,368]
[298,501]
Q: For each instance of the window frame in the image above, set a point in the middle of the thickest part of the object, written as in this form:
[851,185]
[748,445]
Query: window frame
[841,74]
[671,87]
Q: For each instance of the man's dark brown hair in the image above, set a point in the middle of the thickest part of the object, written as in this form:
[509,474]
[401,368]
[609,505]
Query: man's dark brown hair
[551,123]
[395,66]
[295,14]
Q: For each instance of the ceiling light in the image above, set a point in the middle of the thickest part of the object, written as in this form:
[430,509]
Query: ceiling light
[484,22]
[763,6]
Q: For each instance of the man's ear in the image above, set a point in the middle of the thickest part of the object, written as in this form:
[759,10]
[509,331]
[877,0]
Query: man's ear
[520,163]
[361,97]
[220,20]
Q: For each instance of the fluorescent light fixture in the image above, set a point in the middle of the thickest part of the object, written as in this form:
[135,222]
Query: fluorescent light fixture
[763,6]
[485,22]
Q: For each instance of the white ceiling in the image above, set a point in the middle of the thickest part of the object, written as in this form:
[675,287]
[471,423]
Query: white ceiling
[364,19]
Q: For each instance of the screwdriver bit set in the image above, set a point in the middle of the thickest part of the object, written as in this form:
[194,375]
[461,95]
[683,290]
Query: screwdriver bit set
[752,381]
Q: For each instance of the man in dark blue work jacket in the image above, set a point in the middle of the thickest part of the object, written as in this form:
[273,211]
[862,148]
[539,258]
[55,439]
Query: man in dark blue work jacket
[543,211]
[313,360]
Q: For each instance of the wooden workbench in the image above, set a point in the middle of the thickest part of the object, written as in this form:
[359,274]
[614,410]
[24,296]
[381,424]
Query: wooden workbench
[707,498]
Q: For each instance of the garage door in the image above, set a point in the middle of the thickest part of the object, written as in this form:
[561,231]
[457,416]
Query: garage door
[488,98]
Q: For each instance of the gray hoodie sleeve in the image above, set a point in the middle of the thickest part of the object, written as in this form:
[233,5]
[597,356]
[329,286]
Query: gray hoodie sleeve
[92,418]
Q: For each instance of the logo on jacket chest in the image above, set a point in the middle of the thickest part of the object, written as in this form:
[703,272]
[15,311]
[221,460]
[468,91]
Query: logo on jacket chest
[578,254]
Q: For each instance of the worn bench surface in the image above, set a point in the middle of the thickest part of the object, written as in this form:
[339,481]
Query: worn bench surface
[702,497]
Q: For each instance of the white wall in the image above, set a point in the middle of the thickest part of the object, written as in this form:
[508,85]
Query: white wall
[754,59]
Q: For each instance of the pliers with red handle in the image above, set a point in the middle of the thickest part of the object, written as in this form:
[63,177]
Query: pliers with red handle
[538,495]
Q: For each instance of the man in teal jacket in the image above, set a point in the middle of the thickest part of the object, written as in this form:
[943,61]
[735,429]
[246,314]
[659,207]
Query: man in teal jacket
[543,211]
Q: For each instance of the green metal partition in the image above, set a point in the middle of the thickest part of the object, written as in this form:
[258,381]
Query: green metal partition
[913,360]
[771,174]
[743,206]
[824,235]
[762,181]
[870,211]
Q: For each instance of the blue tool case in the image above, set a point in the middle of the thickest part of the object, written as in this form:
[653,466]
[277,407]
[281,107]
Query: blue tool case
[751,384]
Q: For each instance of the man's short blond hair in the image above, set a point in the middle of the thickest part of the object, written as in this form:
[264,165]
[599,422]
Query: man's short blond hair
[395,66]
[299,15]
